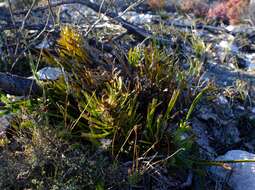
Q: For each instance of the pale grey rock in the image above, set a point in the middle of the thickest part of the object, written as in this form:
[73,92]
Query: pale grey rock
[49,73]
[251,59]
[222,100]
[3,5]
[141,18]
[241,176]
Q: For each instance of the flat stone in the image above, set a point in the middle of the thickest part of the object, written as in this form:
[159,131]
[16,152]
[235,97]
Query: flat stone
[49,73]
[241,175]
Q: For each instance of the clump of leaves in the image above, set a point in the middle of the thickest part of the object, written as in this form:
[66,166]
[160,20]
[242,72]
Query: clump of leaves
[134,110]
[113,113]
[71,45]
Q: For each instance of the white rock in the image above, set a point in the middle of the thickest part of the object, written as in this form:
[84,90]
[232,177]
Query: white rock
[224,44]
[4,4]
[49,73]
[227,45]
[136,18]
[221,100]
[230,28]
[251,60]
[242,175]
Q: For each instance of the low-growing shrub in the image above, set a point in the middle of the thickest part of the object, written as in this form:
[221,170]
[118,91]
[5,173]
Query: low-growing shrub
[198,7]
[231,11]
[134,107]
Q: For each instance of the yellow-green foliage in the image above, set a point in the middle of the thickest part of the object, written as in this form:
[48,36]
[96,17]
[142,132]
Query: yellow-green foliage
[154,66]
[132,109]
[72,45]
[200,49]
[114,112]
[134,56]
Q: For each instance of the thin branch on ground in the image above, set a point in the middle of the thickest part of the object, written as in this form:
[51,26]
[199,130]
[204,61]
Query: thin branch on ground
[19,86]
